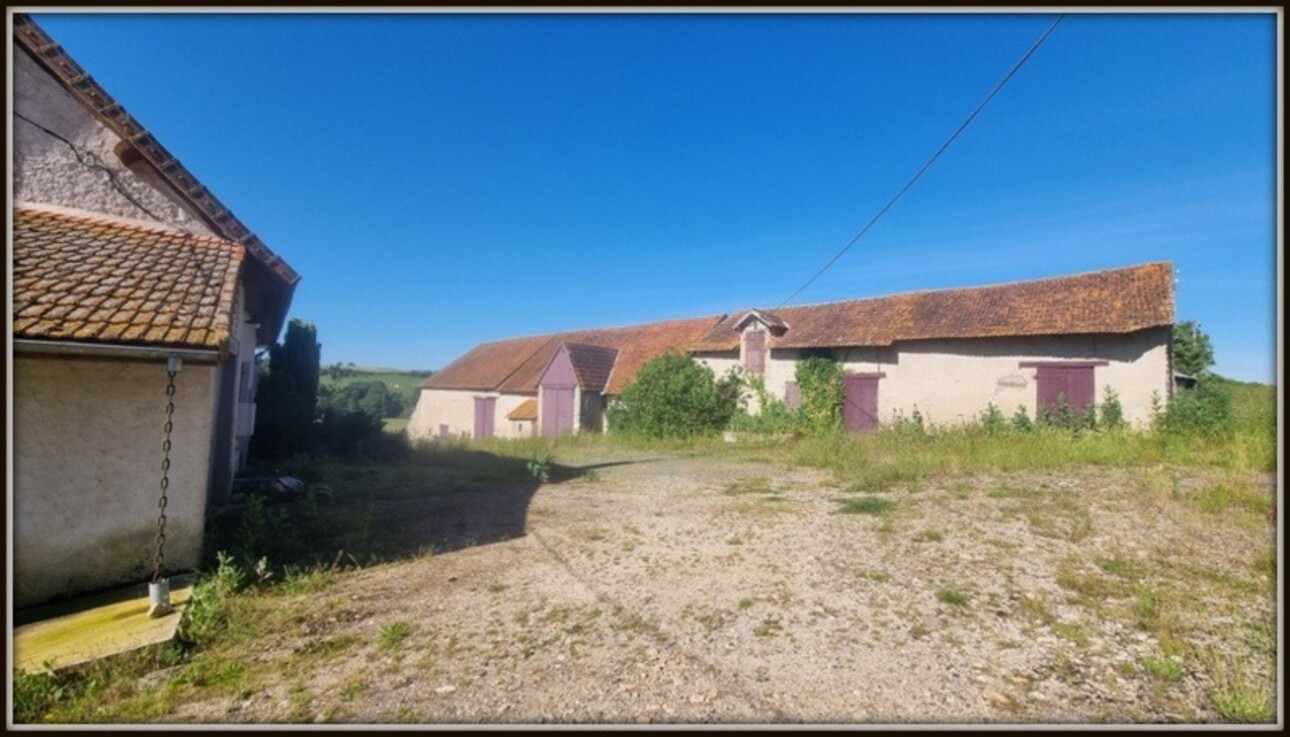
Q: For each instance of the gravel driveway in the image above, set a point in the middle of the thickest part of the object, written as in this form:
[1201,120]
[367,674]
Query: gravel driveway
[692,590]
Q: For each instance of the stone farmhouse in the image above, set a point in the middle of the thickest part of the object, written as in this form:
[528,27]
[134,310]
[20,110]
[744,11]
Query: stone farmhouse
[123,263]
[945,354]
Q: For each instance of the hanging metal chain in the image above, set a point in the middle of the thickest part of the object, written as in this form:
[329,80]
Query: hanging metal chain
[159,556]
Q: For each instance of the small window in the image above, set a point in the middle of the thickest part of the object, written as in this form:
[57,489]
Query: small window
[792,395]
[755,352]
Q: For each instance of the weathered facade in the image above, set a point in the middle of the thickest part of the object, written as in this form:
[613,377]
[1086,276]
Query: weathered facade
[944,356]
[122,261]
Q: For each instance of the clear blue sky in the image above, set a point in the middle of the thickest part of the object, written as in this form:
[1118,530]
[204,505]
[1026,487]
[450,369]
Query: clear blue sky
[444,180]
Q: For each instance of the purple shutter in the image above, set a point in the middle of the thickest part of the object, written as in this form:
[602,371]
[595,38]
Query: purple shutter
[792,395]
[755,352]
[1075,383]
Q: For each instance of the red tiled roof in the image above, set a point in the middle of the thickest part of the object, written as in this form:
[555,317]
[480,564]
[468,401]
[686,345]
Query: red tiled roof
[526,411]
[515,366]
[592,365]
[81,277]
[1112,301]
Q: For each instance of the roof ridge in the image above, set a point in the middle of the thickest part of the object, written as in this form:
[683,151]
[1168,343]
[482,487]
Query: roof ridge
[76,214]
[947,290]
[62,67]
[634,326]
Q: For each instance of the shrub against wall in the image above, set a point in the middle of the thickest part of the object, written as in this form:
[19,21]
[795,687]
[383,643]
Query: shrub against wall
[819,378]
[672,396]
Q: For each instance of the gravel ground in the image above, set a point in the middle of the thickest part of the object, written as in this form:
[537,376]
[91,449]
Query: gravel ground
[692,590]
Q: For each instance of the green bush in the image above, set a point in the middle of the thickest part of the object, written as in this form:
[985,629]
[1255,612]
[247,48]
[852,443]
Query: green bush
[992,420]
[1205,409]
[1020,421]
[773,417]
[672,396]
[819,378]
[1065,417]
[1111,411]
[207,608]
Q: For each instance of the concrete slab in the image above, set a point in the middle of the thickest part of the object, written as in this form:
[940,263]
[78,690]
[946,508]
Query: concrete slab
[61,635]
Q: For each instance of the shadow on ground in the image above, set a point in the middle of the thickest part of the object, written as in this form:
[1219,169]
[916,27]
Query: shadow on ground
[443,498]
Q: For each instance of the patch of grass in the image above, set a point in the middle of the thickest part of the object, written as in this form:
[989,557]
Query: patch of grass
[929,536]
[1237,695]
[919,631]
[768,628]
[746,603]
[1036,606]
[496,587]
[1163,669]
[870,505]
[754,485]
[1121,567]
[1072,632]
[352,689]
[1228,496]
[879,576]
[393,634]
[952,596]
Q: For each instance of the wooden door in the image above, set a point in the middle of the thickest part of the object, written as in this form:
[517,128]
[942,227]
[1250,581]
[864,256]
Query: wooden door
[860,402]
[484,410]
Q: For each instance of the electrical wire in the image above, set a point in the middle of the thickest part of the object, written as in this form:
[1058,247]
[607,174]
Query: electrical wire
[1015,68]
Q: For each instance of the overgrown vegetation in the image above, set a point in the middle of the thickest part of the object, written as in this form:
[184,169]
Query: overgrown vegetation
[674,396]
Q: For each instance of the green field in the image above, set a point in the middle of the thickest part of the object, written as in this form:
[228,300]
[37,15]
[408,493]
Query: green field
[402,382]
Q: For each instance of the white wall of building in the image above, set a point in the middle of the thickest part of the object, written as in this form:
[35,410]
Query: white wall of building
[951,381]
[62,168]
[456,409]
[87,464]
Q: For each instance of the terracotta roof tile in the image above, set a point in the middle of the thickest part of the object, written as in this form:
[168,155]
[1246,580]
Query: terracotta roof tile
[592,365]
[516,365]
[527,410]
[66,265]
[1112,301]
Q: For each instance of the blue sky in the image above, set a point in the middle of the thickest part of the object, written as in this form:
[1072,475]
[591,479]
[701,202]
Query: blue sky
[441,180]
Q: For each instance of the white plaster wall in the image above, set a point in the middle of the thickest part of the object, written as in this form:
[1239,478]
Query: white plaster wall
[47,170]
[87,462]
[951,381]
[456,408]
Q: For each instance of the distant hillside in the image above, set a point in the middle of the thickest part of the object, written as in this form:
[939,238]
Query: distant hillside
[400,381]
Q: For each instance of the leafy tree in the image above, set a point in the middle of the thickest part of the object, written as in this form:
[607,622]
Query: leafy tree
[1193,353]
[288,395]
[672,396]
[372,398]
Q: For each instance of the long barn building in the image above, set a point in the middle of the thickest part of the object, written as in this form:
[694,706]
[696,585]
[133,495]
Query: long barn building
[946,355]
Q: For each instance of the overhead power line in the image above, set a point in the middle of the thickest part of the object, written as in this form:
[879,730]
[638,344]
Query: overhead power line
[1015,68]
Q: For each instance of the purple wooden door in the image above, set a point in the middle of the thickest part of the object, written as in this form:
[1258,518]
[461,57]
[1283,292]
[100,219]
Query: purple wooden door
[557,394]
[1075,383]
[484,410]
[557,410]
[754,352]
[859,402]
[443,431]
